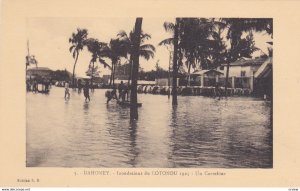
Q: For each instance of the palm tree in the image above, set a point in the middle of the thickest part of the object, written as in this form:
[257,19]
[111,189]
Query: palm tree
[78,42]
[98,50]
[115,51]
[174,29]
[198,43]
[236,27]
[135,68]
[146,51]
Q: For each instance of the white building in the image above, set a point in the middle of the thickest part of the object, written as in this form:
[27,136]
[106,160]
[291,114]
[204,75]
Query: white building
[243,67]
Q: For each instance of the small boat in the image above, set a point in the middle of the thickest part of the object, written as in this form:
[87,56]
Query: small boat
[128,104]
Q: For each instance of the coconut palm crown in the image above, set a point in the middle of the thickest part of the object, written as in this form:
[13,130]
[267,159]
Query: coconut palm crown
[78,41]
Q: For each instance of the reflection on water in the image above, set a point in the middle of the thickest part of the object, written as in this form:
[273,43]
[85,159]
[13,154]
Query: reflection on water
[199,132]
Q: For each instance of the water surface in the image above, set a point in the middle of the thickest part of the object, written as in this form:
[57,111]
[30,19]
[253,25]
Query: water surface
[199,132]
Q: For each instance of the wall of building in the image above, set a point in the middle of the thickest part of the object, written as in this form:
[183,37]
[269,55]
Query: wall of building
[42,73]
[236,71]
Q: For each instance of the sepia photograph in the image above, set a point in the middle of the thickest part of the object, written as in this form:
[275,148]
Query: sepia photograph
[145,92]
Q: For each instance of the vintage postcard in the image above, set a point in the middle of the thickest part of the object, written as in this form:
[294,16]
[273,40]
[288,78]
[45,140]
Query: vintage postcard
[149,93]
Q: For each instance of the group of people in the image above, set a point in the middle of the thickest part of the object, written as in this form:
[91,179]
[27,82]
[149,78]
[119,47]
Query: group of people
[123,91]
[32,85]
[86,90]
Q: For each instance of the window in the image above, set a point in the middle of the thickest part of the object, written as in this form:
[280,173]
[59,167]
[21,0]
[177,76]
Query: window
[243,73]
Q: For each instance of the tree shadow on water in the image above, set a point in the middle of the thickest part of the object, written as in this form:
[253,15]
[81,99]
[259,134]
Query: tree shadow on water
[133,125]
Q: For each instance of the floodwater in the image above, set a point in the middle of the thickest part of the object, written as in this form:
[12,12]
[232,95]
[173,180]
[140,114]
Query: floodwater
[199,132]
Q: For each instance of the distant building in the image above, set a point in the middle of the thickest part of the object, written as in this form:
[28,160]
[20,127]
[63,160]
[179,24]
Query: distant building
[38,72]
[241,72]
[106,78]
[206,77]
[243,67]
[181,80]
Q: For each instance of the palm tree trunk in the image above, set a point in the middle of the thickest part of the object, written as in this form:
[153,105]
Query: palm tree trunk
[114,72]
[189,75]
[169,81]
[226,79]
[135,69]
[92,73]
[73,78]
[130,70]
[175,68]
[26,72]
[111,74]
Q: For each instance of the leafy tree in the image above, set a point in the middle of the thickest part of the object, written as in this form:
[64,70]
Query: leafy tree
[60,75]
[174,28]
[78,42]
[98,50]
[146,51]
[115,51]
[195,42]
[235,29]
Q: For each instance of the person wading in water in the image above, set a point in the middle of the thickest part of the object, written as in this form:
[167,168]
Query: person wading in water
[79,86]
[217,90]
[121,89]
[86,91]
[111,95]
[67,91]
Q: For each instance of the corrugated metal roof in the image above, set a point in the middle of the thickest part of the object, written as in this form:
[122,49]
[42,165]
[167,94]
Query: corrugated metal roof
[247,62]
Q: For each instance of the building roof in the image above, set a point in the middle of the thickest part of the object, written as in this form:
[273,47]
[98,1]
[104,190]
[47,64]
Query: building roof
[247,62]
[265,69]
[39,69]
[83,77]
[201,72]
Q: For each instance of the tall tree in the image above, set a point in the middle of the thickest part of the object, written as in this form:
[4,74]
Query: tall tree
[78,42]
[115,51]
[197,42]
[135,68]
[177,53]
[98,51]
[236,27]
[146,50]
[175,60]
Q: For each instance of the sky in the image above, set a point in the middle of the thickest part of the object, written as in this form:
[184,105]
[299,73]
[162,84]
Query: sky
[49,40]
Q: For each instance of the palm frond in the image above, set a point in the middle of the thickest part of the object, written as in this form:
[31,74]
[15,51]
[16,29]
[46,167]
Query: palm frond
[146,54]
[122,34]
[147,47]
[104,63]
[169,27]
[77,40]
[168,41]
[145,36]
[71,48]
